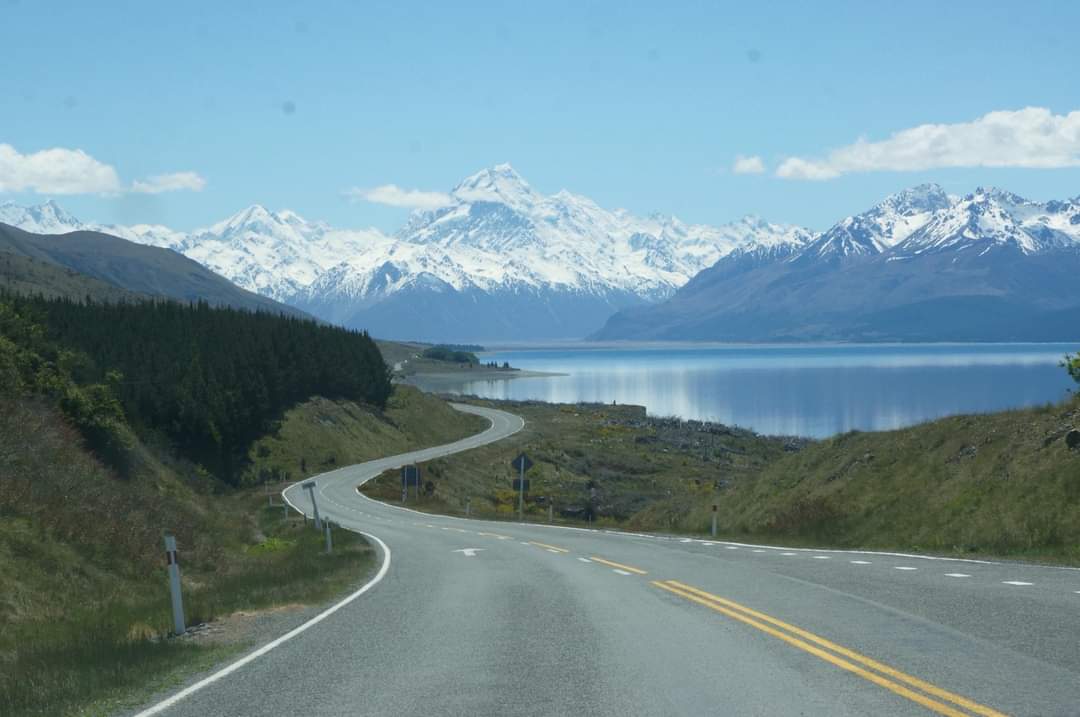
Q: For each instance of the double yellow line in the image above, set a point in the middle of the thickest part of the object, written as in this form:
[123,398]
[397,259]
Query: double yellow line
[930,696]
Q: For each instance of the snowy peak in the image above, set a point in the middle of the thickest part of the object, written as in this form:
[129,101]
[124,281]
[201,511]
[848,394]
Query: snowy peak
[45,218]
[496,184]
[994,218]
[913,201]
[882,226]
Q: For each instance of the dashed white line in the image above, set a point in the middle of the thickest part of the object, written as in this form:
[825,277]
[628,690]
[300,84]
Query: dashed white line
[821,557]
[957,575]
[759,550]
[904,567]
[787,554]
[1015,582]
[732,547]
[552,551]
[584,560]
[621,572]
[524,542]
[860,562]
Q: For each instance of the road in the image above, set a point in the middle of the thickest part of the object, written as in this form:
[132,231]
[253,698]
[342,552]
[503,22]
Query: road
[492,618]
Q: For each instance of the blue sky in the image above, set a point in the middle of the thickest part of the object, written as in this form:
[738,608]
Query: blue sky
[645,106]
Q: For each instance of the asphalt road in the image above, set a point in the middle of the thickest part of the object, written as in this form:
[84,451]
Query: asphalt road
[542,620]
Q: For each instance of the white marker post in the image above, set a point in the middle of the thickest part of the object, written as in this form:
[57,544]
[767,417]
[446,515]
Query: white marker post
[551,512]
[714,520]
[174,585]
[310,488]
[468,507]
[329,540]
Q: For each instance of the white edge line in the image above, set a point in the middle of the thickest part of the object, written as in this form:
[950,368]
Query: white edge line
[252,656]
[630,534]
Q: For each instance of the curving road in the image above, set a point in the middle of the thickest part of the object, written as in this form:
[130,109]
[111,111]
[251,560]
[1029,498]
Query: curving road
[473,617]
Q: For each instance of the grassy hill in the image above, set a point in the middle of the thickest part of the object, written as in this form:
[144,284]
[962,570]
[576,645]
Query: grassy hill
[1002,484]
[122,421]
[26,275]
[85,601]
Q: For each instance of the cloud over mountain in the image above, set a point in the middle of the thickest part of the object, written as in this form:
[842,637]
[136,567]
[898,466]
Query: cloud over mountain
[1033,137]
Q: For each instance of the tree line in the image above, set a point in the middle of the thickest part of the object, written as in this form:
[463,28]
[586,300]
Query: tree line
[210,380]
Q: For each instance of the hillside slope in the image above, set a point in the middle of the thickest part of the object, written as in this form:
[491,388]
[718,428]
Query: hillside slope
[135,268]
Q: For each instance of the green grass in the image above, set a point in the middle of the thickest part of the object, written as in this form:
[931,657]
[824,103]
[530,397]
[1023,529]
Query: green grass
[85,601]
[321,435]
[1001,484]
[85,598]
[609,457]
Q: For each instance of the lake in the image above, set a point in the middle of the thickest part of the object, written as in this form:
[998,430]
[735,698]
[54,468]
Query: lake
[804,390]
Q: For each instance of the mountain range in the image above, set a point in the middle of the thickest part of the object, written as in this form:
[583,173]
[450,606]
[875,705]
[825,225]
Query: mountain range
[920,266]
[501,261]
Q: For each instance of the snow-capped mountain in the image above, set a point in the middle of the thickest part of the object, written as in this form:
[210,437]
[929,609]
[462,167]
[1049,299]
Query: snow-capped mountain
[921,265]
[500,261]
[881,227]
[46,218]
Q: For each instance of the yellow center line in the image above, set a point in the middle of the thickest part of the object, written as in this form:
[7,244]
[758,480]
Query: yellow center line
[636,571]
[746,615]
[549,547]
[851,654]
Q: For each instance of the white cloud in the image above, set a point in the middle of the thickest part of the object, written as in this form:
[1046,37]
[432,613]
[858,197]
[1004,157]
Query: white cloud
[73,171]
[395,196]
[175,182]
[748,165]
[1033,137]
[55,171]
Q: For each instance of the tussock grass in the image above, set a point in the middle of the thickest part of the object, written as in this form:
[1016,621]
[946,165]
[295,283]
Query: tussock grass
[1002,484]
[85,604]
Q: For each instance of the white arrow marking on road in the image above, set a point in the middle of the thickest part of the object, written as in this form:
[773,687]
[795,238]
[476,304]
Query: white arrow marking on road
[469,552]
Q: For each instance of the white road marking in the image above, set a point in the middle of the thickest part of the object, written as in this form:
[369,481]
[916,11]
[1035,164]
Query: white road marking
[957,575]
[1015,582]
[732,547]
[759,550]
[469,552]
[904,567]
[787,553]
[621,572]
[524,542]
[708,543]
[822,557]
[585,560]
[552,551]
[860,562]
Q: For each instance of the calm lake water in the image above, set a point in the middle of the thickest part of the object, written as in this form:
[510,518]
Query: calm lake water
[806,390]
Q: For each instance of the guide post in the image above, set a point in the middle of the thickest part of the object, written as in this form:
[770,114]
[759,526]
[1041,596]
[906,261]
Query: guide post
[174,585]
[522,463]
[310,488]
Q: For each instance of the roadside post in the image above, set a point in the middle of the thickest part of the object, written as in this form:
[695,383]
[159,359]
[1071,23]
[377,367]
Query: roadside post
[522,463]
[410,474]
[714,520]
[310,488]
[468,506]
[329,540]
[174,585]
[551,512]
